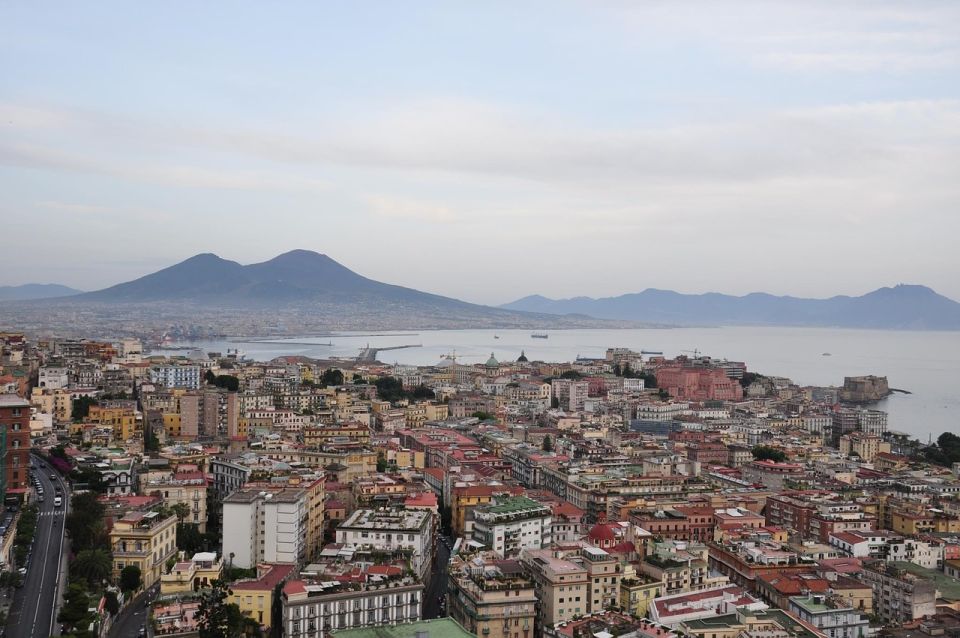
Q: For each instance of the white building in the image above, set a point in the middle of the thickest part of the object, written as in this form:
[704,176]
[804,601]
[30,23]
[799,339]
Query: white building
[389,530]
[53,378]
[176,376]
[511,524]
[265,527]
[571,394]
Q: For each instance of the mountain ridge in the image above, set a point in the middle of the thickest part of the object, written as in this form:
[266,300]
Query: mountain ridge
[28,292]
[904,306]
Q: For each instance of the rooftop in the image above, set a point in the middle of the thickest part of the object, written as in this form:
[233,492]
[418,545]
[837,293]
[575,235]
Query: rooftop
[436,628]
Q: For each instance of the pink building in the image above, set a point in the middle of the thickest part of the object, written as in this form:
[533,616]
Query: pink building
[698,384]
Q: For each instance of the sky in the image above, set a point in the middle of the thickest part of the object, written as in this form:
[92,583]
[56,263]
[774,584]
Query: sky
[488,150]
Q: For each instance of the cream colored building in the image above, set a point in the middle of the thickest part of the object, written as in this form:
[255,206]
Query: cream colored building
[561,585]
[491,598]
[188,576]
[145,539]
[187,487]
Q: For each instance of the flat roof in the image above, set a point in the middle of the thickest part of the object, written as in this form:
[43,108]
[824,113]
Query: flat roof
[436,628]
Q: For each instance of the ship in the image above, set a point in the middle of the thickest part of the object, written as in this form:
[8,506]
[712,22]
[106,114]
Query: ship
[540,335]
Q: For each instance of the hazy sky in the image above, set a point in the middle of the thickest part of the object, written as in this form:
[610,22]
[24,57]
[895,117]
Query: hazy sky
[488,150]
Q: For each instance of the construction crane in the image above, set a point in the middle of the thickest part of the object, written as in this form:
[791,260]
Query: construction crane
[695,352]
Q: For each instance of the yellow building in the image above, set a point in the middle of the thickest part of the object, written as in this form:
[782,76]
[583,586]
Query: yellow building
[122,420]
[316,495]
[415,415]
[255,597]
[186,487]
[171,424]
[866,446]
[437,411]
[636,595]
[315,436]
[188,576]
[145,539]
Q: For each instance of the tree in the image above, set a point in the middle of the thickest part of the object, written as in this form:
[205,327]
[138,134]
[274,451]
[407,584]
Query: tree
[423,392]
[616,370]
[554,402]
[92,565]
[483,416]
[215,617]
[381,463]
[547,444]
[209,377]
[189,538]
[76,605]
[81,407]
[767,453]
[111,602]
[331,377]
[130,578]
[85,522]
[182,510]
[390,389]
[571,374]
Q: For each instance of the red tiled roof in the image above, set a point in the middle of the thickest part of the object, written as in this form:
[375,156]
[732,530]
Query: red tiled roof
[293,587]
[277,573]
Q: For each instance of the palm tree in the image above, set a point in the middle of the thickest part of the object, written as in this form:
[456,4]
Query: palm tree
[93,565]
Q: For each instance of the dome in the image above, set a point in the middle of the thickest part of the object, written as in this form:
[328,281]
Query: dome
[601,533]
[492,362]
[522,358]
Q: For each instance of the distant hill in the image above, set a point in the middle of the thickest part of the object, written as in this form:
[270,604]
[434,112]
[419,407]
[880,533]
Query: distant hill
[35,291]
[900,307]
[307,281]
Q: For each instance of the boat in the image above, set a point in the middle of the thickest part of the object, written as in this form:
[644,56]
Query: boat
[826,354]
[496,336]
[540,335]
[651,352]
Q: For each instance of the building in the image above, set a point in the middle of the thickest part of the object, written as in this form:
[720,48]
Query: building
[254,596]
[15,446]
[265,527]
[318,609]
[561,585]
[393,530]
[511,524]
[773,475]
[831,615]
[899,596]
[571,395]
[436,628]
[865,446]
[181,487]
[189,576]
[145,539]
[491,598]
[698,384]
[176,376]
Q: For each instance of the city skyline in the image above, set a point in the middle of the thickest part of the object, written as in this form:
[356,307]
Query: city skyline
[803,150]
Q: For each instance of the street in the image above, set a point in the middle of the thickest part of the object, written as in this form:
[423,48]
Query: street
[133,616]
[33,614]
[437,588]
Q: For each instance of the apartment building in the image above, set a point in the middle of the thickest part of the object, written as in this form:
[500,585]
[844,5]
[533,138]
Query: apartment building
[831,615]
[176,376]
[261,526]
[315,609]
[511,524]
[492,598]
[393,530]
[561,585]
[186,487]
[15,446]
[144,539]
[898,595]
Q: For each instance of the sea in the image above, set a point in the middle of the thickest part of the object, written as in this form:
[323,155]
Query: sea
[925,363]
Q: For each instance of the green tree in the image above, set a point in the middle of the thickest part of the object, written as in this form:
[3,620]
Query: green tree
[381,463]
[483,416]
[84,523]
[189,538]
[111,602]
[130,578]
[554,402]
[331,377]
[617,371]
[423,392]
[571,374]
[93,566]
[767,453]
[209,377]
[215,617]
[81,407]
[76,605]
[182,510]
[547,444]
[390,389]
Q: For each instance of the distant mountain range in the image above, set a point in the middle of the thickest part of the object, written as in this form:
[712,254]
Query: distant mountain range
[312,283]
[35,291]
[899,307]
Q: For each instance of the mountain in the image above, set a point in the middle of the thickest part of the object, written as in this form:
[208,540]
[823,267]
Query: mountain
[35,291]
[900,307]
[298,288]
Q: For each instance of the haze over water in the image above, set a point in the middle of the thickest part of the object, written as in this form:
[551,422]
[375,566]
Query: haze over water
[925,363]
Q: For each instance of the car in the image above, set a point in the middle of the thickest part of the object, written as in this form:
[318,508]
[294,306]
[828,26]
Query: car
[53,477]
[142,632]
[57,501]
[22,571]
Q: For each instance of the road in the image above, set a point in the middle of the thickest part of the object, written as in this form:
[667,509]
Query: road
[133,616]
[437,588]
[33,614]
